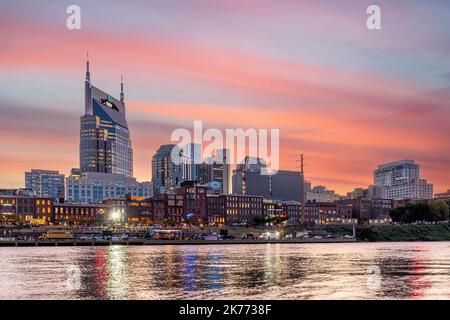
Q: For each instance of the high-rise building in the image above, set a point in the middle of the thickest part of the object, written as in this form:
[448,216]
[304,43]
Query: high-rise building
[45,183]
[166,174]
[95,187]
[215,171]
[400,180]
[221,170]
[105,144]
[396,173]
[191,158]
[248,179]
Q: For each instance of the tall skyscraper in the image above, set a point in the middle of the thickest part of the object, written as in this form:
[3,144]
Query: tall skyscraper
[400,180]
[166,174]
[45,183]
[105,144]
[192,157]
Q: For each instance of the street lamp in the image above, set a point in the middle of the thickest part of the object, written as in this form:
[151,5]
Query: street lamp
[115,215]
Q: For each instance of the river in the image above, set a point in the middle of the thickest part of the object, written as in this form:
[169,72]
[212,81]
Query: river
[403,270]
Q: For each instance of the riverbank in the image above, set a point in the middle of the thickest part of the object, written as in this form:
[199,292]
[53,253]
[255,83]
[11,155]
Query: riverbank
[70,243]
[440,232]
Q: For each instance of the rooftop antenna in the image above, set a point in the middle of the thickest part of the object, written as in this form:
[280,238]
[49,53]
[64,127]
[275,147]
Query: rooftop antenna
[302,185]
[122,96]
[88,74]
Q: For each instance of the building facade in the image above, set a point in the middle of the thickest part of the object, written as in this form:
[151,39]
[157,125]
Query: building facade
[321,194]
[166,174]
[79,214]
[249,179]
[23,205]
[105,144]
[215,171]
[243,209]
[92,187]
[400,180]
[443,195]
[45,183]
[365,209]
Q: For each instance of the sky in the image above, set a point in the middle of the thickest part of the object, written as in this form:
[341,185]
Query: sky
[346,97]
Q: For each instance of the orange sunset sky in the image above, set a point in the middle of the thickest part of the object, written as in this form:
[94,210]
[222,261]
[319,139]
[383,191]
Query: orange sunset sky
[346,97]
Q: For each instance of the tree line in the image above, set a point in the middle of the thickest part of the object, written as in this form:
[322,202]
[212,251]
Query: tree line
[429,211]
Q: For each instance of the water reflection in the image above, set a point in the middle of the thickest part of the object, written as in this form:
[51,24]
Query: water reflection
[275,271]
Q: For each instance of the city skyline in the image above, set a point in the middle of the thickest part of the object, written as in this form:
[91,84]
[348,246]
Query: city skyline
[347,116]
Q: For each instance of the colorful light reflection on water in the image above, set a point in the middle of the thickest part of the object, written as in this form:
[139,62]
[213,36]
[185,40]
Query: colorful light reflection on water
[273,271]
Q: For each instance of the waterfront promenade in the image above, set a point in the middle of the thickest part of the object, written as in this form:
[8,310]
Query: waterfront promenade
[53,243]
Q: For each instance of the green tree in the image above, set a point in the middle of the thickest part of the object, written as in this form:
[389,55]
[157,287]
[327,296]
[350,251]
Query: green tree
[398,214]
[431,210]
[439,210]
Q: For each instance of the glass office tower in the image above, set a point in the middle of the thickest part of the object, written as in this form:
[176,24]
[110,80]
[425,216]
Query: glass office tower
[105,144]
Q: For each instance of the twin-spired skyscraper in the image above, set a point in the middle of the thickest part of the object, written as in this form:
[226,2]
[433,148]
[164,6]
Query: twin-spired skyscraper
[105,144]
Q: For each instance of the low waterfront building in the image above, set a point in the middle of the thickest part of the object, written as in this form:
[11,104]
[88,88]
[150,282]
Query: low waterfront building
[293,210]
[194,202]
[43,210]
[23,206]
[138,210]
[216,210]
[273,210]
[94,187]
[67,213]
[159,210]
[380,221]
[344,209]
[8,208]
[240,209]
[336,213]
[365,209]
[230,210]
[175,208]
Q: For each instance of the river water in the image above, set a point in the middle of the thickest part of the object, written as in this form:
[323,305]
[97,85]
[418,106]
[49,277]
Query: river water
[408,270]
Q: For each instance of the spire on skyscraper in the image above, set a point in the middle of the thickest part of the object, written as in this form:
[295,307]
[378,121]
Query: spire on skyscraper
[122,96]
[88,74]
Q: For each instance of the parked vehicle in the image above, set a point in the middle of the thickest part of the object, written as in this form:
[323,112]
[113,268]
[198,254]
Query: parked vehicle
[7,239]
[228,237]
[87,238]
[249,236]
[270,236]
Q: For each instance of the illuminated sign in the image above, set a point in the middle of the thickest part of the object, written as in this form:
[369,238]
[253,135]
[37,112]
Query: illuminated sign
[216,185]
